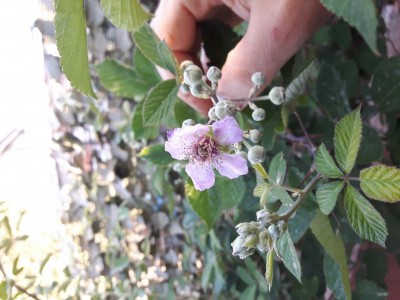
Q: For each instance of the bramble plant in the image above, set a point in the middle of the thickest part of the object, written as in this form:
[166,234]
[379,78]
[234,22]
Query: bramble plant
[328,130]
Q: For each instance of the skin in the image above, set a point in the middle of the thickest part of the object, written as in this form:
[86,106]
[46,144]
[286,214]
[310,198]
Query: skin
[277,29]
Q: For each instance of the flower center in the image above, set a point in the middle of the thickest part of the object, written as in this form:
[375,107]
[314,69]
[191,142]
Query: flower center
[206,148]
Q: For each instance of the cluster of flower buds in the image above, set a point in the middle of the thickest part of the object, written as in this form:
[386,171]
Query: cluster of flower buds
[271,221]
[252,236]
[258,80]
[222,109]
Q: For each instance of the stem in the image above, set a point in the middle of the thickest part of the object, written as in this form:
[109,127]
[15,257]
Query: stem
[18,287]
[214,99]
[290,189]
[310,143]
[250,99]
[286,216]
[246,143]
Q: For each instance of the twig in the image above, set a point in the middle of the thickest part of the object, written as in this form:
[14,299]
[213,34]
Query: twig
[18,287]
[310,143]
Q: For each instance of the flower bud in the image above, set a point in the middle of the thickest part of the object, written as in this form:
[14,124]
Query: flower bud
[255,135]
[198,91]
[184,88]
[277,95]
[188,122]
[245,228]
[265,217]
[258,79]
[282,225]
[214,74]
[274,231]
[185,64]
[251,240]
[225,108]
[256,154]
[264,241]
[258,114]
[212,115]
[193,75]
[221,112]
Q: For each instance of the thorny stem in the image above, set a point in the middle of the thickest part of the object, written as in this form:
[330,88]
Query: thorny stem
[286,216]
[18,287]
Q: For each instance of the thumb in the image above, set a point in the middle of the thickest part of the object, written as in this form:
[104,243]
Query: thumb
[276,30]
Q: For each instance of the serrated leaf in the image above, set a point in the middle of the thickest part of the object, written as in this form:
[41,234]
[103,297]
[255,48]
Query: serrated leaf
[125,14]
[358,13]
[325,164]
[300,222]
[70,33]
[260,170]
[333,245]
[121,80]
[381,183]
[182,112]
[332,92]
[348,133]
[154,49]
[327,195]
[288,254]
[333,277]
[386,85]
[260,189]
[229,192]
[277,169]
[159,103]
[201,203]
[145,68]
[149,132]
[364,218]
[157,155]
[298,86]
[269,269]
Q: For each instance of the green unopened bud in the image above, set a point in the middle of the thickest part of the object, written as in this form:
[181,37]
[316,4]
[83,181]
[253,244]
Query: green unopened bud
[184,88]
[188,122]
[184,65]
[258,114]
[212,115]
[251,241]
[265,217]
[214,74]
[274,231]
[193,75]
[258,79]
[199,91]
[255,135]
[221,112]
[256,154]
[245,228]
[225,108]
[277,95]
[264,241]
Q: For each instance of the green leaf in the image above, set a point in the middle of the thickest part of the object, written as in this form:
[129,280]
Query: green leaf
[125,14]
[154,49]
[299,85]
[145,68]
[260,170]
[386,85]
[245,276]
[348,133]
[229,192]
[119,264]
[3,290]
[364,218]
[159,103]
[333,245]
[70,33]
[325,164]
[300,222]
[44,262]
[327,196]
[381,183]
[157,155]
[332,92]
[249,293]
[288,253]
[371,148]
[182,112]
[138,129]
[333,277]
[358,13]
[121,80]
[269,269]
[369,290]
[207,209]
[277,169]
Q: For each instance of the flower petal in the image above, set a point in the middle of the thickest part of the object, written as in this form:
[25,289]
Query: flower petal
[230,165]
[227,131]
[202,174]
[181,140]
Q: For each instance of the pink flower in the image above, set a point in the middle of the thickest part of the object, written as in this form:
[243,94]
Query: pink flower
[206,147]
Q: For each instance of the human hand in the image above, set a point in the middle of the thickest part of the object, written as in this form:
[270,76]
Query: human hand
[276,30]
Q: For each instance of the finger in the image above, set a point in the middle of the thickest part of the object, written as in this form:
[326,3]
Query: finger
[269,42]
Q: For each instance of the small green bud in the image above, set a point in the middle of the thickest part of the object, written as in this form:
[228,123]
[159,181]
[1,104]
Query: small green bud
[274,231]
[258,114]
[265,217]
[251,241]
[221,112]
[225,108]
[188,122]
[256,154]
[199,91]
[245,228]
[214,74]
[255,135]
[193,75]
[212,115]
[277,95]
[264,241]
[184,65]
[258,79]
[184,88]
